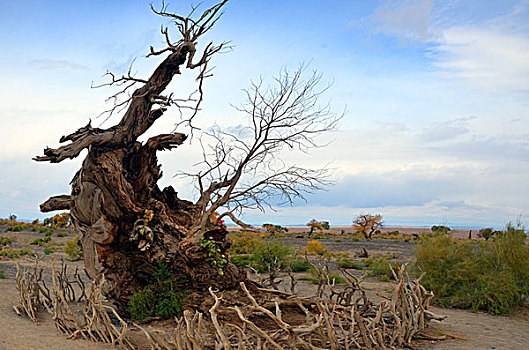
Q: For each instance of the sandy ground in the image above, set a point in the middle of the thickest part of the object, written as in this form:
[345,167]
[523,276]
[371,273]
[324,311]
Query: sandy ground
[20,333]
[467,330]
[482,331]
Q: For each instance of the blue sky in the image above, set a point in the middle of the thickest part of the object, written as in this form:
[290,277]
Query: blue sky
[436,92]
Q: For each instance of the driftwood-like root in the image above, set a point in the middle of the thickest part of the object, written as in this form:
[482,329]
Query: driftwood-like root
[344,321]
[96,321]
[333,319]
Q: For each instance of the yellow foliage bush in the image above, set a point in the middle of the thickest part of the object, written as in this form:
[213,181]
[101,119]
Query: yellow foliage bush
[72,250]
[315,247]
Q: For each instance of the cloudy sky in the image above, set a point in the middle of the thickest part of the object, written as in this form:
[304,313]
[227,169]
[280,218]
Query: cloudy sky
[436,92]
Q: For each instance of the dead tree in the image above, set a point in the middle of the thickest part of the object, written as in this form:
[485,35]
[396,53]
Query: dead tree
[127,224]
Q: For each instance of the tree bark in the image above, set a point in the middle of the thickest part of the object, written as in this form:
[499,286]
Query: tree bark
[110,195]
[115,191]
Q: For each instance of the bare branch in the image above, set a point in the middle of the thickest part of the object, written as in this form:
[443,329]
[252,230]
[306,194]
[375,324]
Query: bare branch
[146,103]
[241,169]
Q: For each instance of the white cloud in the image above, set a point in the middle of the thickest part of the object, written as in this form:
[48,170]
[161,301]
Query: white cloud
[408,19]
[486,57]
[489,52]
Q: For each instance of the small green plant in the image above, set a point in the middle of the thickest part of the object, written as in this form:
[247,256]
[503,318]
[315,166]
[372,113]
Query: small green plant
[244,242]
[41,241]
[336,278]
[385,278]
[271,255]
[15,228]
[380,267]
[241,259]
[4,241]
[309,278]
[347,263]
[2,274]
[72,250]
[161,298]
[15,253]
[62,234]
[215,256]
[300,265]
[48,231]
[48,250]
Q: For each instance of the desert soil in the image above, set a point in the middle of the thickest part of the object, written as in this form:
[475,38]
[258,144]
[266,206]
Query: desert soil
[465,330]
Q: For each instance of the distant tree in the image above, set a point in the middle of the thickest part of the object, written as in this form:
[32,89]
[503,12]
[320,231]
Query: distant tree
[440,229]
[366,224]
[273,229]
[59,220]
[318,225]
[486,233]
[12,217]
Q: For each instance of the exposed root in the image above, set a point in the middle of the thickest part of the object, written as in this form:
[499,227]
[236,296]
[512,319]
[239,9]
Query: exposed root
[34,295]
[344,321]
[97,321]
[335,319]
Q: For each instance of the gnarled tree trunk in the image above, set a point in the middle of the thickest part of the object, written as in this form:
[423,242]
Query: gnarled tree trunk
[117,185]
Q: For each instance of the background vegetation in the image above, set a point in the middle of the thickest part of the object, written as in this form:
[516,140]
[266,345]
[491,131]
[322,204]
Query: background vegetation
[491,275]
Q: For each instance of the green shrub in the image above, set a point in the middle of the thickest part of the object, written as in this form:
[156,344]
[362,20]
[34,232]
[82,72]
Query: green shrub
[269,255]
[41,241]
[5,241]
[381,267]
[347,263]
[309,278]
[15,253]
[492,275]
[62,234]
[300,265]
[25,251]
[241,259]
[48,250]
[162,298]
[15,228]
[243,243]
[72,250]
[385,278]
[48,231]
[337,278]
[2,274]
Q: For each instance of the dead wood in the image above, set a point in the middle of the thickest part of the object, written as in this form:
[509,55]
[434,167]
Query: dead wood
[273,320]
[325,323]
[96,320]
